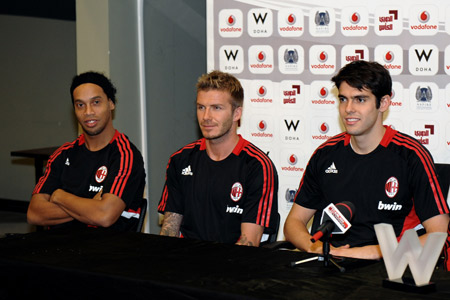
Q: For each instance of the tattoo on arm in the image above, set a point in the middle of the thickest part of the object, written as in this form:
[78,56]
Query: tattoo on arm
[171,224]
[243,240]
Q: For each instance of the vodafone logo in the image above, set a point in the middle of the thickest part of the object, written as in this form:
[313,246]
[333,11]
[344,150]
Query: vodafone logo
[262,125]
[323,92]
[389,56]
[230,23]
[231,20]
[322,57]
[292,159]
[261,57]
[391,187]
[291,19]
[290,22]
[424,17]
[262,91]
[101,174]
[261,129]
[423,20]
[355,18]
[355,21]
[324,128]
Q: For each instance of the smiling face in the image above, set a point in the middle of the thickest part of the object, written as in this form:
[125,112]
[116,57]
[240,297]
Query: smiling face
[215,114]
[358,111]
[93,109]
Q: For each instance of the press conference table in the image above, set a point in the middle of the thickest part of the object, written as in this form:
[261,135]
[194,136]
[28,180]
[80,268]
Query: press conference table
[104,264]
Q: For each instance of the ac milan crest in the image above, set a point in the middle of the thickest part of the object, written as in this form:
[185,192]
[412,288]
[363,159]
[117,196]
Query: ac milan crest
[236,191]
[101,173]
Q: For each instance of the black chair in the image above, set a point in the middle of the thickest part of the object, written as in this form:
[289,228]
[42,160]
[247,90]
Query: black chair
[143,208]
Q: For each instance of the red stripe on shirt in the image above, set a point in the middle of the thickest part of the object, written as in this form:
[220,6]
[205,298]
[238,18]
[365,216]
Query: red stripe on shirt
[51,159]
[165,195]
[428,165]
[126,165]
[265,202]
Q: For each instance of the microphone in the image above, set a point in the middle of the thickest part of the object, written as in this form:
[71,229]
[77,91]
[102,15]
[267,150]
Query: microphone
[335,219]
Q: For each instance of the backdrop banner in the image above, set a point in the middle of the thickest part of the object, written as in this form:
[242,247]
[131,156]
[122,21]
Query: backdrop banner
[285,53]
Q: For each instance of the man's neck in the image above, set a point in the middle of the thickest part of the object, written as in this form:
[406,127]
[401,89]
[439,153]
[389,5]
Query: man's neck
[367,143]
[100,141]
[220,149]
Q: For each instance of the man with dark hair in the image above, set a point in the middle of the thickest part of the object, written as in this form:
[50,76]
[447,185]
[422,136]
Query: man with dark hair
[98,179]
[220,188]
[388,176]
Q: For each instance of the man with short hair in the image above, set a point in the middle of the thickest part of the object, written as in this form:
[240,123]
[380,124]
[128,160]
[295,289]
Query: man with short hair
[387,175]
[222,187]
[99,178]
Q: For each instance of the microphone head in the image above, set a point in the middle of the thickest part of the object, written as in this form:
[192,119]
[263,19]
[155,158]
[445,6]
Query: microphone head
[347,209]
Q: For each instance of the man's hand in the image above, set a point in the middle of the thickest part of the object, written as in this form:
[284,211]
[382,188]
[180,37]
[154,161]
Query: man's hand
[365,252]
[98,196]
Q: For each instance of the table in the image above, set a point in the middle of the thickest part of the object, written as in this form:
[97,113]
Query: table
[40,155]
[104,264]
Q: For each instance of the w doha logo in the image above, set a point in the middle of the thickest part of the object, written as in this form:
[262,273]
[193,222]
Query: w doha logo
[397,256]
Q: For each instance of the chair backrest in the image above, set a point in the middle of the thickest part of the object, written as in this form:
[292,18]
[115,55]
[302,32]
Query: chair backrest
[270,233]
[143,208]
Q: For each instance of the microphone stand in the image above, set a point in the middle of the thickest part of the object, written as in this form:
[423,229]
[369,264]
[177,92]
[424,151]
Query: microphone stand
[326,254]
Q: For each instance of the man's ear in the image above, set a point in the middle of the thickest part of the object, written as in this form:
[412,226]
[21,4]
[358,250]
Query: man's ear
[237,114]
[112,106]
[385,102]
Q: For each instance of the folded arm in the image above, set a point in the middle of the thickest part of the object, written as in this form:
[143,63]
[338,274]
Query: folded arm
[44,213]
[102,210]
[62,207]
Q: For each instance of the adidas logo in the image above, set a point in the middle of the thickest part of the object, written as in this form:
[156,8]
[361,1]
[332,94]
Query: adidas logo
[67,162]
[331,169]
[187,171]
